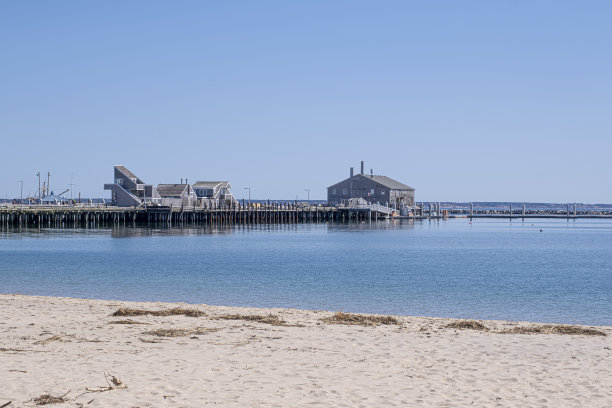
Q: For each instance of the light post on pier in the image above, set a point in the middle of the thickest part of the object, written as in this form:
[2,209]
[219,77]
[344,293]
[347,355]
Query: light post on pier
[249,188]
[21,196]
[308,190]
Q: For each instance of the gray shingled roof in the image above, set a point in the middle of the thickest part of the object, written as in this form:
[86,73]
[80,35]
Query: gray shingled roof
[382,180]
[387,182]
[171,190]
[210,184]
[125,171]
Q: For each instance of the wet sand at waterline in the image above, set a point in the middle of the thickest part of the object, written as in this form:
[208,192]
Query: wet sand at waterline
[97,353]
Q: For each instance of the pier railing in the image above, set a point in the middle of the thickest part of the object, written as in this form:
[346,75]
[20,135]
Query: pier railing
[373,207]
[382,209]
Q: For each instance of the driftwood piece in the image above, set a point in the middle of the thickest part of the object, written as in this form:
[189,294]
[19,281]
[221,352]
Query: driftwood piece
[113,384]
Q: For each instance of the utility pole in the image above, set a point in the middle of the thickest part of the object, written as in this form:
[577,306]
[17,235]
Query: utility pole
[21,197]
[48,185]
[39,197]
[71,184]
[249,188]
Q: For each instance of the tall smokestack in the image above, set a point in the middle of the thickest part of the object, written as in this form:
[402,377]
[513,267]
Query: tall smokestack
[362,167]
[352,171]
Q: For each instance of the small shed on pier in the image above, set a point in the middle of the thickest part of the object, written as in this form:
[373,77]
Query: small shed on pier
[214,193]
[177,195]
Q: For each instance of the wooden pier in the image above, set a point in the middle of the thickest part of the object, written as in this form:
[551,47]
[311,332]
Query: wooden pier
[102,217]
[108,217]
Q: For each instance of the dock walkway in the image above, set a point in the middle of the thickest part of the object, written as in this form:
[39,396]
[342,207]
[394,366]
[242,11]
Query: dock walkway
[57,216]
[93,217]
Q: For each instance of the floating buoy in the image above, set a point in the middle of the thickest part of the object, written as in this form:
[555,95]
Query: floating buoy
[541,229]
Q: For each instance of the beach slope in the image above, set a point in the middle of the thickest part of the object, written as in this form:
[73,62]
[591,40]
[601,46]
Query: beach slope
[96,353]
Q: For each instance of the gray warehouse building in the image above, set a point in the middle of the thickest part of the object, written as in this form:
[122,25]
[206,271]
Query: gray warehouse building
[372,188]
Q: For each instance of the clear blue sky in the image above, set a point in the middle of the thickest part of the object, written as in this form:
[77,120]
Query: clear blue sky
[463,100]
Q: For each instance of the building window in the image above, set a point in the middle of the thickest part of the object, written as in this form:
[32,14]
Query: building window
[344,191]
[334,191]
[382,192]
[119,181]
[371,191]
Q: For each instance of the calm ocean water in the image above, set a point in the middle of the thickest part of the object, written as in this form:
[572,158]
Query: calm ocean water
[489,269]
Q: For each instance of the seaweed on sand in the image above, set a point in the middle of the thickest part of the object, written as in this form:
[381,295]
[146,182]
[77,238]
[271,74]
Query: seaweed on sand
[467,324]
[357,319]
[554,329]
[45,399]
[128,321]
[180,332]
[126,311]
[271,319]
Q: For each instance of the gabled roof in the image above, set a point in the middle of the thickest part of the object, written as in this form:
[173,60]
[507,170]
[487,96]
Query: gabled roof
[388,182]
[382,180]
[211,184]
[128,173]
[171,190]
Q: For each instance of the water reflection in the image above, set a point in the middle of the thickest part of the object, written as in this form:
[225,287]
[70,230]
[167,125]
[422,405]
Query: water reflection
[454,268]
[138,231]
[381,225]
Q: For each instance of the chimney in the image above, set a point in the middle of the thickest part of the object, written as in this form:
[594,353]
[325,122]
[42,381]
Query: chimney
[352,171]
[186,181]
[371,173]
[181,181]
[362,167]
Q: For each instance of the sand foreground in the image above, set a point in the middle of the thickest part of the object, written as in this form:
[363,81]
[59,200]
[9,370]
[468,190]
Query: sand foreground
[64,346]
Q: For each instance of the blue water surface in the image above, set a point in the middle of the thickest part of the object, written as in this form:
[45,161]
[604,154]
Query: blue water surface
[486,269]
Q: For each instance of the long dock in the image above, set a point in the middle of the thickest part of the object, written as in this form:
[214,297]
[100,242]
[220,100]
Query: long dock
[97,217]
[104,217]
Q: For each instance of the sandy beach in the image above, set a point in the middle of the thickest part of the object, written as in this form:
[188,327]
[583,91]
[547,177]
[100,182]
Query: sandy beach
[77,351]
